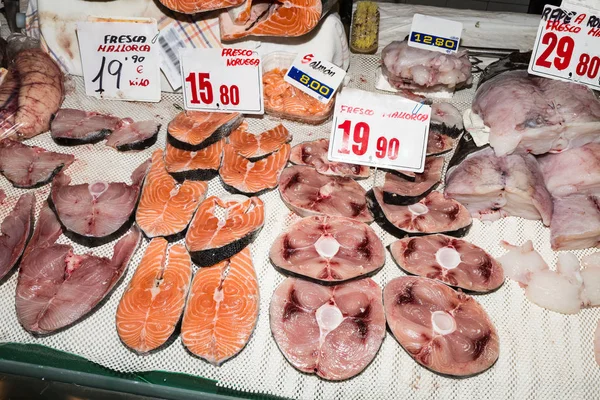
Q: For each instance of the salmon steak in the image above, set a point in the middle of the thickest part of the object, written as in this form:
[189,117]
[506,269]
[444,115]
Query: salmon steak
[222,309]
[195,130]
[240,175]
[201,165]
[196,6]
[166,207]
[221,228]
[16,229]
[286,101]
[314,154]
[254,18]
[254,147]
[154,300]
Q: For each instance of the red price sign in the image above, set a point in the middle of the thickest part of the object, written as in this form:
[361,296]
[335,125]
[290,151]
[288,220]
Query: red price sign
[222,80]
[391,132]
[566,46]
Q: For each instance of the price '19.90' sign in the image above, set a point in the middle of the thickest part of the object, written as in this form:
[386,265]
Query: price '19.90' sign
[566,46]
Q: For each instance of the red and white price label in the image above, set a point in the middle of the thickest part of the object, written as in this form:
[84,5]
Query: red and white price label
[567,46]
[222,80]
[379,130]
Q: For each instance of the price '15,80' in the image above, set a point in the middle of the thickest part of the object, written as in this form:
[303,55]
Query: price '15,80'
[586,66]
[360,141]
[202,90]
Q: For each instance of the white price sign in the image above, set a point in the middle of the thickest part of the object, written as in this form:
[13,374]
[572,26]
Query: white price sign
[120,58]
[436,34]
[222,80]
[379,130]
[315,76]
[567,46]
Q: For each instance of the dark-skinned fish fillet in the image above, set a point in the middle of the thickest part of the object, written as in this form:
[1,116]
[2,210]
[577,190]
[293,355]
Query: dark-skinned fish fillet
[16,231]
[72,127]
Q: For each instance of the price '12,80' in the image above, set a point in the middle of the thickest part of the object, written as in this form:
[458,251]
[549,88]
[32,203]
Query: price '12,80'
[360,138]
[202,90]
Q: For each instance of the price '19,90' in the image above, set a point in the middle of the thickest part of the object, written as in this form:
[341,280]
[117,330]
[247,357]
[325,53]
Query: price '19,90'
[202,90]
[360,138]
[586,66]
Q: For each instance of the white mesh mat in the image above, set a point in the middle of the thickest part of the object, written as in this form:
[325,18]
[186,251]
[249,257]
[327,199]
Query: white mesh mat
[543,354]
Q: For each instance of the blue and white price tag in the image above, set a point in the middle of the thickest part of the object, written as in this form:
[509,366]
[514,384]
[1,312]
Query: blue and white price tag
[315,76]
[437,34]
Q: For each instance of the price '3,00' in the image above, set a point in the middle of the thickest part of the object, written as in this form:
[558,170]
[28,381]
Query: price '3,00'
[360,138]
[202,90]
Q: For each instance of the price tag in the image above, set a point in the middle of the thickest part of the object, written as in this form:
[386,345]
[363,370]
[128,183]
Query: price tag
[567,46]
[315,76]
[222,80]
[120,58]
[379,130]
[437,34]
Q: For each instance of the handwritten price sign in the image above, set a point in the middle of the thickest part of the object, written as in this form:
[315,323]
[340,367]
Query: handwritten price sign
[120,58]
[379,130]
[566,46]
[222,80]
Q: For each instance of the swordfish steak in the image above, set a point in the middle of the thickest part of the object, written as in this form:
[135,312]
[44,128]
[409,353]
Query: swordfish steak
[72,127]
[331,331]
[314,154]
[328,249]
[56,287]
[16,231]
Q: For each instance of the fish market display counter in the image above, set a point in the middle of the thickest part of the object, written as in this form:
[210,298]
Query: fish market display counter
[542,354]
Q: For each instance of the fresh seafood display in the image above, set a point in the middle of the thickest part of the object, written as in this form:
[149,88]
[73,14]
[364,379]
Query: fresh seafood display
[221,228]
[166,208]
[452,261]
[328,249]
[307,192]
[30,166]
[492,187]
[400,190]
[240,175]
[71,127]
[153,302]
[515,107]
[196,6]
[314,154]
[445,331]
[331,331]
[56,287]
[194,165]
[16,230]
[432,214]
[134,135]
[411,68]
[222,309]
[565,290]
[254,147]
[195,130]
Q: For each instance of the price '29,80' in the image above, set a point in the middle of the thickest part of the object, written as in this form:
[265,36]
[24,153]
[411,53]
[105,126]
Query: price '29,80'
[586,66]
[202,90]
[360,141]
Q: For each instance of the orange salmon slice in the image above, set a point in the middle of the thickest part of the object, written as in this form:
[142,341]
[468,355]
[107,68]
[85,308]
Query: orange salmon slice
[196,6]
[194,165]
[222,309]
[154,299]
[255,147]
[240,175]
[195,130]
[222,227]
[166,207]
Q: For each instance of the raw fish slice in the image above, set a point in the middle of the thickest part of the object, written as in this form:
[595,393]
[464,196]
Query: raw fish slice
[328,249]
[9,103]
[96,213]
[398,190]
[134,135]
[314,154]
[166,207]
[195,130]
[16,229]
[222,309]
[194,165]
[2,196]
[331,331]
[255,147]
[221,228]
[452,261]
[446,119]
[30,167]
[306,192]
[240,175]
[196,6]
[575,222]
[597,343]
[154,300]
[445,331]
[432,214]
[291,18]
[56,287]
[72,127]
[438,142]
